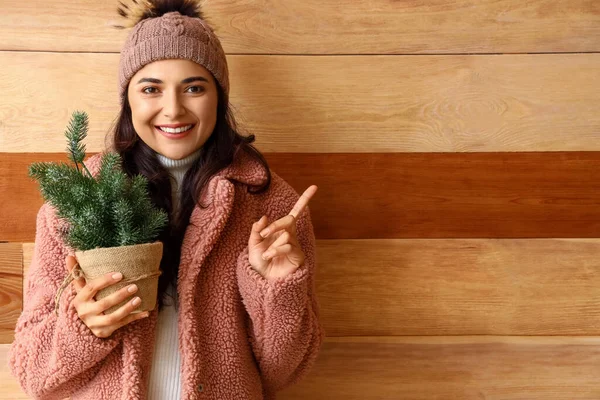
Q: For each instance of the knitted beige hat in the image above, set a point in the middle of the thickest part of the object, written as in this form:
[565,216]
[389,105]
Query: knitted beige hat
[164,29]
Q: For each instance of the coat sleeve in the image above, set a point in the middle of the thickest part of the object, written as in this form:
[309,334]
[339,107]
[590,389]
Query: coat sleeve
[53,356]
[284,329]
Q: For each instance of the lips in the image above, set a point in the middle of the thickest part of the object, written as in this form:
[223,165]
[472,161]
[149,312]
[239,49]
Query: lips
[170,135]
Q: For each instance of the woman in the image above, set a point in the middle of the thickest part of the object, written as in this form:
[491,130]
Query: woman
[244,323]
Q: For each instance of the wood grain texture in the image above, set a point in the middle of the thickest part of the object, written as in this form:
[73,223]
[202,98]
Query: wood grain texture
[456,286]
[333,104]
[391,196]
[449,195]
[27,257]
[11,289]
[465,368]
[20,194]
[425,368]
[329,27]
[10,388]
[459,287]
[436,131]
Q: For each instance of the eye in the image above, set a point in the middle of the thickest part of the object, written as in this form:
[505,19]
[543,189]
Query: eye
[200,89]
[148,87]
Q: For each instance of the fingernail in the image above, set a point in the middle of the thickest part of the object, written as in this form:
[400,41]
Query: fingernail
[264,233]
[136,301]
[132,288]
[118,275]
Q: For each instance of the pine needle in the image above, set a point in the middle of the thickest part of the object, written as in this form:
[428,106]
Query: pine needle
[75,133]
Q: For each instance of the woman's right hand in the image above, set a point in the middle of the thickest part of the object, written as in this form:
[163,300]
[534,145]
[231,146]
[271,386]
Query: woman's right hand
[91,312]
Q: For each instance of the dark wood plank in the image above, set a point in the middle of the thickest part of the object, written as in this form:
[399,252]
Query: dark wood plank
[11,288]
[449,195]
[20,198]
[400,195]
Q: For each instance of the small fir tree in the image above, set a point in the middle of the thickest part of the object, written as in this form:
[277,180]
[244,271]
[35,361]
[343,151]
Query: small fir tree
[107,211]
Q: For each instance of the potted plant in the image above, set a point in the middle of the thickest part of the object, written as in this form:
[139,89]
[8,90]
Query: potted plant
[112,223]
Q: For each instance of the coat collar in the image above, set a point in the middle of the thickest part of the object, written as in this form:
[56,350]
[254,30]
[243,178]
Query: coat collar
[243,169]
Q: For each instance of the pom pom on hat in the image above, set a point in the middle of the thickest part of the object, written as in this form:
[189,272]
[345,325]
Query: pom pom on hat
[138,10]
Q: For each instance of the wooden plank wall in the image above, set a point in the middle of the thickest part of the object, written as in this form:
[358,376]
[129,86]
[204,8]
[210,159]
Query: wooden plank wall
[456,146]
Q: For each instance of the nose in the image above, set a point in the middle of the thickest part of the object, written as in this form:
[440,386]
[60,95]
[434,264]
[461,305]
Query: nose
[172,107]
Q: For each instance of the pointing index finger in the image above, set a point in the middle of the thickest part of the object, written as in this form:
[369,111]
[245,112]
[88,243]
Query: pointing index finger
[303,201]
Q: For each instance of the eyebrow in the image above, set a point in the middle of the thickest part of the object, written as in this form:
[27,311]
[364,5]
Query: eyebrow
[186,80]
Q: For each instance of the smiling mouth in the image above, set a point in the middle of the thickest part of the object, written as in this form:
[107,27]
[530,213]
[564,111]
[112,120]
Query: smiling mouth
[175,131]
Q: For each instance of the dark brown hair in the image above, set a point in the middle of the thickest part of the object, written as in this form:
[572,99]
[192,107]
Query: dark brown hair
[217,153]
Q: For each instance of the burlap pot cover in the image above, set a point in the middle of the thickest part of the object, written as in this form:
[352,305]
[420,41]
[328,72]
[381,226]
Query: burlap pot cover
[139,264]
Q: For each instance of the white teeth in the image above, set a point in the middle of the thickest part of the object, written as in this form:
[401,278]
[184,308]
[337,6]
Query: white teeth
[175,130]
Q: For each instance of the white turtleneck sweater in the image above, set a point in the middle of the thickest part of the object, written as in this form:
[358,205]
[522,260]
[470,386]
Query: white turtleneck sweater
[164,383]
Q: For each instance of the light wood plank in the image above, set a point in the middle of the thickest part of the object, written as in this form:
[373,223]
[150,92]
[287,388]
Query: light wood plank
[390,196]
[11,288]
[10,388]
[466,368]
[457,287]
[425,368]
[329,27]
[354,104]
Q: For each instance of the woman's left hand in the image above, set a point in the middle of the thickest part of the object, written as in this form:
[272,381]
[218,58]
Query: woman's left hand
[279,246]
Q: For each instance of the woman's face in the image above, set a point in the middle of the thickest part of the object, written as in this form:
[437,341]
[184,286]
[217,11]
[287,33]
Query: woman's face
[173,92]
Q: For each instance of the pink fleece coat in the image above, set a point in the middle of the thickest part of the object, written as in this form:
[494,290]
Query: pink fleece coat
[240,336]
